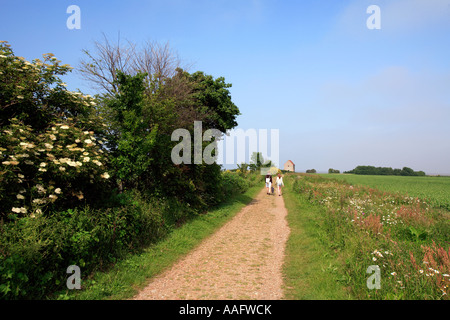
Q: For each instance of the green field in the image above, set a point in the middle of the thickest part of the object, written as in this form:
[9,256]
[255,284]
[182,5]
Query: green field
[435,190]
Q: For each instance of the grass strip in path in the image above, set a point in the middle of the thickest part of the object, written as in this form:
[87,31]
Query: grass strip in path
[311,269]
[130,275]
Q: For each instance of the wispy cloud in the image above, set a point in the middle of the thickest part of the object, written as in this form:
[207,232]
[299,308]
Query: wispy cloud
[395,94]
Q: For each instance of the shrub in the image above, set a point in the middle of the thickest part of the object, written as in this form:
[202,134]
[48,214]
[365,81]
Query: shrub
[50,139]
[35,253]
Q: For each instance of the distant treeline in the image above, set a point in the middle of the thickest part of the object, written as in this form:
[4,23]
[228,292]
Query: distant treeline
[371,170]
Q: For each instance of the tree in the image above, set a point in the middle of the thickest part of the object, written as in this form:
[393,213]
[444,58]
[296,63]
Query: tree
[331,170]
[257,161]
[133,141]
[311,171]
[213,99]
[371,170]
[407,172]
[100,67]
[146,96]
[243,167]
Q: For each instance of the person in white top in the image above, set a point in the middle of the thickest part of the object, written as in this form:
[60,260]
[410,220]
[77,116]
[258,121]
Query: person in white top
[279,183]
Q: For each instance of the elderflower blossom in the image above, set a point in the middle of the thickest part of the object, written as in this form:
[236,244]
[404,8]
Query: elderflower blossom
[105,175]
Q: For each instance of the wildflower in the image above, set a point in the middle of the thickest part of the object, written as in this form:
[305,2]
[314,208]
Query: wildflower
[105,175]
[64,127]
[86,159]
[71,163]
[40,188]
[23,155]
[53,137]
[20,197]
[62,169]
[19,97]
[53,197]
[58,190]
[42,170]
[87,141]
[79,195]
[16,210]
[97,162]
[43,164]
[48,145]
[394,273]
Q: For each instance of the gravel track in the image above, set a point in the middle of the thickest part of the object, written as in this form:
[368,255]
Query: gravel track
[241,260]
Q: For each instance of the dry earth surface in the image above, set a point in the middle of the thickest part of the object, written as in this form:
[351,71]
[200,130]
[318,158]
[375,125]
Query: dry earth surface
[242,260]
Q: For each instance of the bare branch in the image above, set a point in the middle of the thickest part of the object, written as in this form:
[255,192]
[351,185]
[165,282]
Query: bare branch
[159,61]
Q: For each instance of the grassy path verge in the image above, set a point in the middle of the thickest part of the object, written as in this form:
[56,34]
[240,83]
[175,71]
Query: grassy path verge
[311,270]
[130,275]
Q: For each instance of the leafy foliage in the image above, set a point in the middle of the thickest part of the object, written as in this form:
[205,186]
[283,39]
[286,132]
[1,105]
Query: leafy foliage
[51,157]
[371,170]
[86,180]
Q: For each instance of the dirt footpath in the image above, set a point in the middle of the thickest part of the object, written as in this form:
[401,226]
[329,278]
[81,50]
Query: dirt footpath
[242,260]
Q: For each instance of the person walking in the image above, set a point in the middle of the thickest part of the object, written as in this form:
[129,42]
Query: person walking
[269,183]
[279,183]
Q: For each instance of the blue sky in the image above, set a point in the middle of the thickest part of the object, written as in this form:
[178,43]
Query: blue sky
[340,94]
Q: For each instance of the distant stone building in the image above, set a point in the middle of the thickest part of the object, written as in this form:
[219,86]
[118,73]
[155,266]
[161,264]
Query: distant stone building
[289,166]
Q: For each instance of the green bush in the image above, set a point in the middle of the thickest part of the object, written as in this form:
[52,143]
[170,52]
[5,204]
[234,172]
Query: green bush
[35,253]
[233,183]
[51,154]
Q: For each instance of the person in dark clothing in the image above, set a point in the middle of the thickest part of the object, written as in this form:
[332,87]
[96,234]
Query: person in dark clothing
[269,183]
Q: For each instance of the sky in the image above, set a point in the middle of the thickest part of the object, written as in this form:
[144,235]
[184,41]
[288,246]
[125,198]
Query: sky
[340,94]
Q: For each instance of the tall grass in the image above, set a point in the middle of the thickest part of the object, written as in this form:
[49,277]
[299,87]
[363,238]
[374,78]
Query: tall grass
[406,237]
[311,269]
